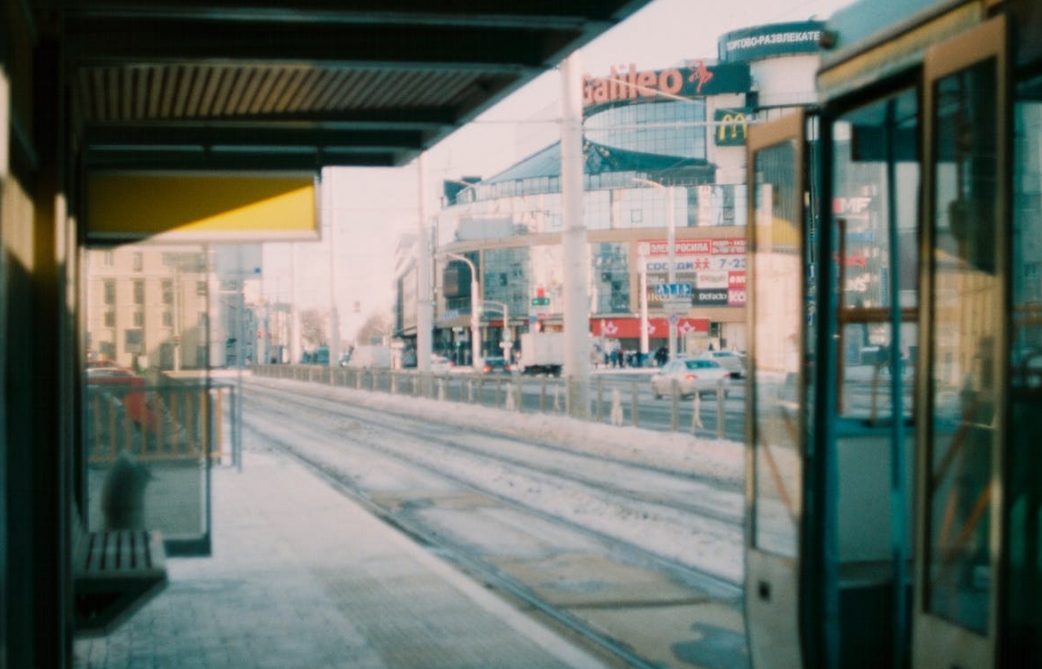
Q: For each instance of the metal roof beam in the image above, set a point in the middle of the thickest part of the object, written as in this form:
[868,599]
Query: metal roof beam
[540,14]
[245,135]
[146,41]
[158,158]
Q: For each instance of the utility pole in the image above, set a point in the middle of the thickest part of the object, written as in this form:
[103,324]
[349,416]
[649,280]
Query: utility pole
[334,313]
[576,266]
[425,295]
[642,267]
[671,234]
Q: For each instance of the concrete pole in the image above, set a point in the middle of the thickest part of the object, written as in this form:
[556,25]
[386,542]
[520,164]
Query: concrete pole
[424,292]
[576,293]
[671,242]
[475,320]
[294,309]
[334,313]
[642,267]
[506,346]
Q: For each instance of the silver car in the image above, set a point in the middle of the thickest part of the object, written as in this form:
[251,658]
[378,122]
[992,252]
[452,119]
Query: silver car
[691,375]
[733,361]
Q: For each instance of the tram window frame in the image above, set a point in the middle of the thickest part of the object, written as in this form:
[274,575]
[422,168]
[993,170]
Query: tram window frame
[776,373]
[965,307]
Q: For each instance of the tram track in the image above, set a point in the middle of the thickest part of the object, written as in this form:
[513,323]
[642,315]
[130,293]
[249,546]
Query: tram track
[266,409]
[615,649]
[680,497]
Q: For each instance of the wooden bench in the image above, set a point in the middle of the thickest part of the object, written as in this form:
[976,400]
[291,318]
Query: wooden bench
[114,574]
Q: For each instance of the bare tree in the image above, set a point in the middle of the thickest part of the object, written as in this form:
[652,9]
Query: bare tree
[377,325]
[312,328]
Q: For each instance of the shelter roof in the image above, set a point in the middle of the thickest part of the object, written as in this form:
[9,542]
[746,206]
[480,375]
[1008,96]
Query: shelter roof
[264,84]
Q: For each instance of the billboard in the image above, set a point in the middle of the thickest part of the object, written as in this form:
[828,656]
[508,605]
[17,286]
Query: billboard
[778,39]
[694,80]
[715,268]
[188,207]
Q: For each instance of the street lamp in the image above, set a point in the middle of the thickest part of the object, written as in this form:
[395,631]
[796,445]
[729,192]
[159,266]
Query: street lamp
[475,302]
[642,267]
[670,244]
[505,310]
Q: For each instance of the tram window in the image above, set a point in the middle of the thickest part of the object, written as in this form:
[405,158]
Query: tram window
[967,317]
[1023,492]
[875,173]
[778,266]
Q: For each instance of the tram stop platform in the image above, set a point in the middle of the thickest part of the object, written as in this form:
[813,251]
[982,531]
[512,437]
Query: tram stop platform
[303,577]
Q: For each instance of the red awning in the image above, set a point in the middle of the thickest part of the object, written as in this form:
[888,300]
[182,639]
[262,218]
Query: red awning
[629,328]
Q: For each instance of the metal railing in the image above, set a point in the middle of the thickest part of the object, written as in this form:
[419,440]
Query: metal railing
[168,422]
[616,401]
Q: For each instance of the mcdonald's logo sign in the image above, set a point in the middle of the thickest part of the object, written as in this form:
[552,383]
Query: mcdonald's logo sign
[732,126]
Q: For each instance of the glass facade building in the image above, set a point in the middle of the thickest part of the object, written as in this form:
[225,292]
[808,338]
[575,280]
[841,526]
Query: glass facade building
[661,149]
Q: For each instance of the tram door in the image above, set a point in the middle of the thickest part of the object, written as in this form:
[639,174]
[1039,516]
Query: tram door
[859,530]
[962,431]
[775,428]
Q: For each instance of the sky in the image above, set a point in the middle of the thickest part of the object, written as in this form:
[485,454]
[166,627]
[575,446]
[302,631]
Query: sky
[371,208]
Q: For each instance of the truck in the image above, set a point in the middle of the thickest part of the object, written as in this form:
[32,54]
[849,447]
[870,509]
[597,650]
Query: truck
[542,353]
[369,357]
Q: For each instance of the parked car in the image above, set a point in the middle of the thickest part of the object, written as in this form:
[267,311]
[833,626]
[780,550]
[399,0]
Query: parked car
[494,364]
[733,361]
[440,364]
[126,387]
[692,375]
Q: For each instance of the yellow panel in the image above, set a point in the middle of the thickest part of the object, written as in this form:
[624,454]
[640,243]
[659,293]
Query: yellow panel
[195,207]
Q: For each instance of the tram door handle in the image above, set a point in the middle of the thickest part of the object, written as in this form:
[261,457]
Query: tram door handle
[764,590]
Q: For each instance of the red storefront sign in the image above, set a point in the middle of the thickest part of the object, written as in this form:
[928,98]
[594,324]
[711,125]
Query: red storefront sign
[629,328]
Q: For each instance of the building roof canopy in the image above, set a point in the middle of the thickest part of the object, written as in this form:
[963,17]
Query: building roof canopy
[255,84]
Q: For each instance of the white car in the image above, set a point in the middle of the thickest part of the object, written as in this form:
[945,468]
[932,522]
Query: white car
[732,361]
[441,365]
[691,375]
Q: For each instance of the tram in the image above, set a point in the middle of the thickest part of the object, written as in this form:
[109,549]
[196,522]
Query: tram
[894,432]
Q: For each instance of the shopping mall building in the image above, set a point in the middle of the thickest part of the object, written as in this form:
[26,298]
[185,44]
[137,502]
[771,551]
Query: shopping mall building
[663,149]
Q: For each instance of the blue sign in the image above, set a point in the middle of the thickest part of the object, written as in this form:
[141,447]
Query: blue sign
[777,39]
[669,289]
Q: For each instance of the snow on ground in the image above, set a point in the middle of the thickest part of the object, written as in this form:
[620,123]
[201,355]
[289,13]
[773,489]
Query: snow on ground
[710,546]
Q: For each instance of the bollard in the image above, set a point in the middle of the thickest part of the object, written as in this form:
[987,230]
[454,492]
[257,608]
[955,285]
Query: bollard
[721,395]
[441,390]
[636,404]
[696,416]
[674,419]
[600,398]
[616,408]
[509,403]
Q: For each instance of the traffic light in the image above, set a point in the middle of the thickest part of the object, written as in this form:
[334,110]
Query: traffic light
[540,299]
